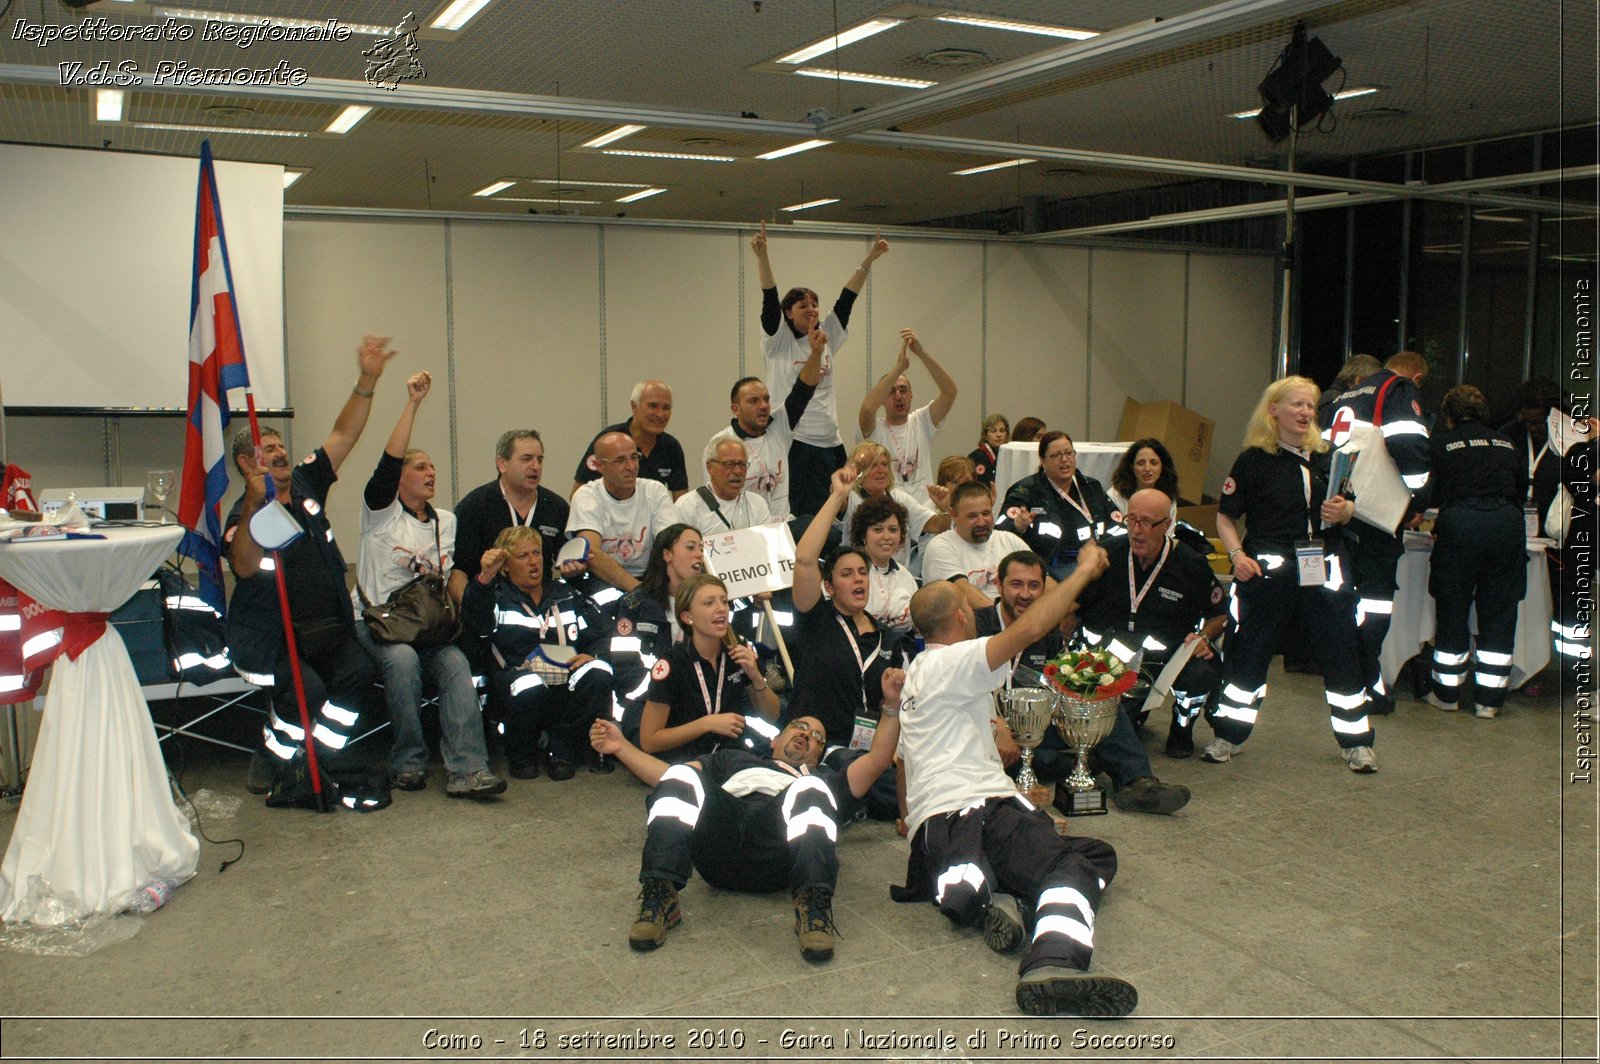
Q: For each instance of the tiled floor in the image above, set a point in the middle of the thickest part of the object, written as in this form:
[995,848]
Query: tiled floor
[1444,908]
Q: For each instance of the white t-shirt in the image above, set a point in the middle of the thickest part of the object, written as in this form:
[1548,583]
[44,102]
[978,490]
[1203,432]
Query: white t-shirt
[947,555]
[746,510]
[918,514]
[768,475]
[946,741]
[889,594]
[396,547]
[910,448]
[626,526]
[785,353]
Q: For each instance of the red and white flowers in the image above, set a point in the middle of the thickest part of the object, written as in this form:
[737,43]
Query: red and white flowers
[1089,675]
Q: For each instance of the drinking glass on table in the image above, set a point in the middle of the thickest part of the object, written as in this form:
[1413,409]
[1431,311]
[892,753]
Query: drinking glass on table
[161,482]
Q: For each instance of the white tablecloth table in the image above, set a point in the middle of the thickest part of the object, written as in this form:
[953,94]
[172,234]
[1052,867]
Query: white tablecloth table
[1412,624]
[97,820]
[1018,460]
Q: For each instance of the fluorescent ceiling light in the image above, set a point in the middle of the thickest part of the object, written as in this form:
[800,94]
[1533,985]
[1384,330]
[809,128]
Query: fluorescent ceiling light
[108,105]
[806,206]
[669,155]
[565,202]
[1489,216]
[849,36]
[291,176]
[220,129]
[993,166]
[870,79]
[498,186]
[256,20]
[1344,95]
[457,14]
[1016,26]
[575,183]
[637,196]
[794,149]
[347,119]
[606,138]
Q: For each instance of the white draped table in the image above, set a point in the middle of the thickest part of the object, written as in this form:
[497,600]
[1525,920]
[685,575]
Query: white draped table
[1413,622]
[97,820]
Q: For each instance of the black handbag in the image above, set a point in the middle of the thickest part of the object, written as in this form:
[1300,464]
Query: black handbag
[421,614]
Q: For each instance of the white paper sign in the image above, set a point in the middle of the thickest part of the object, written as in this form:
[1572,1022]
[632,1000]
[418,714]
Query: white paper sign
[751,560]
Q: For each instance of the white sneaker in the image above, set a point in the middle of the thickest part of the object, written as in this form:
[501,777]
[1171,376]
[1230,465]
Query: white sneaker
[1433,699]
[1218,751]
[1361,759]
[1486,712]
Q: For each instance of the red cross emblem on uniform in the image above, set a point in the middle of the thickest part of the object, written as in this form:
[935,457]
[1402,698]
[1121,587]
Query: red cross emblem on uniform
[1343,422]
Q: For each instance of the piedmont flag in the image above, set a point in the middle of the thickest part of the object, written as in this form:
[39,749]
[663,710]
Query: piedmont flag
[216,364]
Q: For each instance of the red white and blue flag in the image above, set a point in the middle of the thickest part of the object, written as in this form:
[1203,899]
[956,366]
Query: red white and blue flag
[216,365]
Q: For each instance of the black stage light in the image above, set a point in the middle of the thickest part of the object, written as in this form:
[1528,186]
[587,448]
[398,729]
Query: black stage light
[1295,85]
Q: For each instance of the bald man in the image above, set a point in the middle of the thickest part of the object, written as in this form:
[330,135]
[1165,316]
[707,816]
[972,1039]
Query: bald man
[620,513]
[660,453]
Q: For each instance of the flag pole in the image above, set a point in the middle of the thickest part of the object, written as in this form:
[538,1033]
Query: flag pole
[310,745]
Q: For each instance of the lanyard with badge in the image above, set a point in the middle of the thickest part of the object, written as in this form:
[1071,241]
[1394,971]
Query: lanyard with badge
[1137,595]
[515,520]
[1530,512]
[865,726]
[1083,508]
[705,695]
[1308,552]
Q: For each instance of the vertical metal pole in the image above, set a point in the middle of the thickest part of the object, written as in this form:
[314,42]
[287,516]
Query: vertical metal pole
[1349,273]
[1400,343]
[1282,368]
[1533,271]
[1463,321]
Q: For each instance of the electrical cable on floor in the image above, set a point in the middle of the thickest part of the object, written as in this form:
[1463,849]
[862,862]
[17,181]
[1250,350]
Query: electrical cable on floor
[176,779]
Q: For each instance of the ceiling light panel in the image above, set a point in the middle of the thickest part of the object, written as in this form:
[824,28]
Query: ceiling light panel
[794,149]
[644,194]
[682,155]
[832,44]
[346,120]
[611,136]
[498,186]
[236,18]
[456,14]
[108,104]
[1017,26]
[806,206]
[868,79]
[291,176]
[180,128]
[1006,165]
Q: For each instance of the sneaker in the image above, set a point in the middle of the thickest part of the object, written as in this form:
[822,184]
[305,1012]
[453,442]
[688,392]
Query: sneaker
[524,770]
[1485,712]
[1003,930]
[813,922]
[1051,989]
[1180,741]
[1361,759]
[560,769]
[1149,795]
[658,913]
[1218,752]
[1433,699]
[259,778]
[412,779]
[480,783]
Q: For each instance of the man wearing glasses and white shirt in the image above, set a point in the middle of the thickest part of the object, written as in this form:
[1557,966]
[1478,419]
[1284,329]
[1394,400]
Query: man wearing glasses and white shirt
[722,504]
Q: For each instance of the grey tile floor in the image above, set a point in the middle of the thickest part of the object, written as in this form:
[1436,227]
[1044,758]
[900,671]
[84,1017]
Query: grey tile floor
[1444,908]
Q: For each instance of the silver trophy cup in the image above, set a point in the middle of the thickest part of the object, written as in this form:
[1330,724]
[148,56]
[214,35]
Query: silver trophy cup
[1028,712]
[1082,725]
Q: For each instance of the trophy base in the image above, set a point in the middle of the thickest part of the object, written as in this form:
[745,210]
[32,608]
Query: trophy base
[1080,803]
[1039,794]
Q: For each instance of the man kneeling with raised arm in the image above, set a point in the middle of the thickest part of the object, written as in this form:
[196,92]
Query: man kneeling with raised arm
[977,846]
[750,823]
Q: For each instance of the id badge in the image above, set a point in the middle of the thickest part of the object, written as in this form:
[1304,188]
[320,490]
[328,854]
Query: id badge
[1308,555]
[861,736]
[1530,522]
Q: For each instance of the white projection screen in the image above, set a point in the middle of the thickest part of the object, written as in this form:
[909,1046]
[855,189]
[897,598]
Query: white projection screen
[96,266]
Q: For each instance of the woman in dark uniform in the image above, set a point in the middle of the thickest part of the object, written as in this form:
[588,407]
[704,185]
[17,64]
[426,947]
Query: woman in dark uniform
[1478,552]
[1059,508]
[646,628]
[1279,486]
[995,435]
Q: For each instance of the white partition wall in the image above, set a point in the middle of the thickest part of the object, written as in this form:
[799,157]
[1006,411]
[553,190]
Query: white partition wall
[1036,349]
[1136,333]
[1230,338]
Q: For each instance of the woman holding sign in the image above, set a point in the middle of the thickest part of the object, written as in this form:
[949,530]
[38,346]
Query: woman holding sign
[1290,574]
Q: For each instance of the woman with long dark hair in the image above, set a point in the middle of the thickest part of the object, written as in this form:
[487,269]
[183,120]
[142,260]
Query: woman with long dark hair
[646,626]
[1145,464]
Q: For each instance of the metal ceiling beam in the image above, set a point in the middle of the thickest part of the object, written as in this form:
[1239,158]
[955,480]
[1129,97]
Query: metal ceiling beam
[1116,46]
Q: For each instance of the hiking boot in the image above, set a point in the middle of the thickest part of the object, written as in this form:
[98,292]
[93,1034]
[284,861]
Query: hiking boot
[658,913]
[477,784]
[813,922]
[524,770]
[1361,759]
[1180,740]
[1218,752]
[1002,924]
[560,768]
[1051,989]
[1149,795]
[412,779]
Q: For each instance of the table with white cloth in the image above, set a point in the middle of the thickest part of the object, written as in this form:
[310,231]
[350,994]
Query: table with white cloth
[1018,460]
[1412,624]
[97,820]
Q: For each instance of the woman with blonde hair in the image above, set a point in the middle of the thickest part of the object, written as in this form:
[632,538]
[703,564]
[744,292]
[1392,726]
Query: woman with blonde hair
[996,434]
[875,480]
[1290,573]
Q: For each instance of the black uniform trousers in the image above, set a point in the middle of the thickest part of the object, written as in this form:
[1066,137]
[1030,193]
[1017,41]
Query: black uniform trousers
[340,679]
[1009,846]
[1478,559]
[810,473]
[1260,608]
[757,843]
[1375,558]
[563,713]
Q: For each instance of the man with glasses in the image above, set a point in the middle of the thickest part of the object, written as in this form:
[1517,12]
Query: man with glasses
[722,504]
[753,824]
[660,453]
[619,514]
[1159,594]
[1059,509]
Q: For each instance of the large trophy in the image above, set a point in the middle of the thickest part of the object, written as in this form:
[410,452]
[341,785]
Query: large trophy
[1083,724]
[1028,712]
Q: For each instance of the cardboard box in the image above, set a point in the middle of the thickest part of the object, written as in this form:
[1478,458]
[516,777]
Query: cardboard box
[1186,434]
[1202,516]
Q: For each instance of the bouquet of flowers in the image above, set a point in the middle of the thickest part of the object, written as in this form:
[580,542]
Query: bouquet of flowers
[1089,675]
